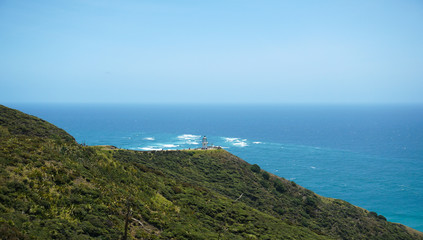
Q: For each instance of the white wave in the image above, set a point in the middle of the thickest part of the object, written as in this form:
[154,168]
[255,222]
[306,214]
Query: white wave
[257,142]
[240,144]
[169,145]
[192,143]
[313,167]
[149,138]
[150,148]
[189,137]
[231,139]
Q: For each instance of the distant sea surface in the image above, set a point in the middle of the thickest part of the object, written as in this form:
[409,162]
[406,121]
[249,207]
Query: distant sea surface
[370,156]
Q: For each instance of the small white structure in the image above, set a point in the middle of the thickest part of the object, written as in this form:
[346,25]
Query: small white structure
[204,143]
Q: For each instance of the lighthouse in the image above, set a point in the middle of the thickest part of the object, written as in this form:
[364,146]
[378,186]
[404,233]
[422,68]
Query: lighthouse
[204,143]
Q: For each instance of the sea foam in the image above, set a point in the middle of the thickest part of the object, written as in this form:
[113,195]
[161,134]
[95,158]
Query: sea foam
[169,145]
[227,139]
[237,142]
[240,144]
[149,148]
[189,137]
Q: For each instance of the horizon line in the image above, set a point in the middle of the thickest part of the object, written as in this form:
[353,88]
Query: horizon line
[224,103]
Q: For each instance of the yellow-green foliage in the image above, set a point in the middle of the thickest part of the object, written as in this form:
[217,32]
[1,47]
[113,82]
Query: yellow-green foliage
[53,188]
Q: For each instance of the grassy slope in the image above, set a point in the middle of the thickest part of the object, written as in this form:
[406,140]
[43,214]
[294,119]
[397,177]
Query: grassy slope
[14,122]
[51,187]
[231,176]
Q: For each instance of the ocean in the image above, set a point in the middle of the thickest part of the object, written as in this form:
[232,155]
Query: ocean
[368,155]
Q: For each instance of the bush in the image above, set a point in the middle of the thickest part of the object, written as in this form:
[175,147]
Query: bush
[90,229]
[266,175]
[310,201]
[373,214]
[265,183]
[279,186]
[8,231]
[16,186]
[255,168]
[279,210]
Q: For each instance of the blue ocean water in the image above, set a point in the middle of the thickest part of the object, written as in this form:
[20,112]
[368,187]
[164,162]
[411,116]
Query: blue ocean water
[370,156]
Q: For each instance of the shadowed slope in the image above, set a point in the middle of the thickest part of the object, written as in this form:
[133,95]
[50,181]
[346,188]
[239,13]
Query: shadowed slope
[14,122]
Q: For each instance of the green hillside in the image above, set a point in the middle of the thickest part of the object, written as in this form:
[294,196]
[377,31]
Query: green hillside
[53,188]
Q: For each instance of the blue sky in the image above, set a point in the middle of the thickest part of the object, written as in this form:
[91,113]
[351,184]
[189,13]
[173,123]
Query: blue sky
[232,51]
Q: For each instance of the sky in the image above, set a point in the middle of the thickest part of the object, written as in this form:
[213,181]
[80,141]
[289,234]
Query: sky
[220,51]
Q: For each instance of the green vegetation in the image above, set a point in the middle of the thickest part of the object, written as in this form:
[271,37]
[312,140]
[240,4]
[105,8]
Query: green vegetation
[255,168]
[53,188]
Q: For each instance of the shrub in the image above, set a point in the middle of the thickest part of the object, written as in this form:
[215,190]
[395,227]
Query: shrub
[373,214]
[255,168]
[279,210]
[279,186]
[16,186]
[311,202]
[266,175]
[90,229]
[8,231]
[265,183]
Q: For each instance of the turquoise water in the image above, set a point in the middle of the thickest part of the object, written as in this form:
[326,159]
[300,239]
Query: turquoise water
[370,156]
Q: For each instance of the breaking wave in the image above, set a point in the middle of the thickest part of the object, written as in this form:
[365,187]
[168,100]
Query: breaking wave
[169,145]
[237,142]
[189,137]
[149,148]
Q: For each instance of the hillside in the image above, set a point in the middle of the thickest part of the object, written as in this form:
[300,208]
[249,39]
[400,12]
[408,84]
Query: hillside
[53,188]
